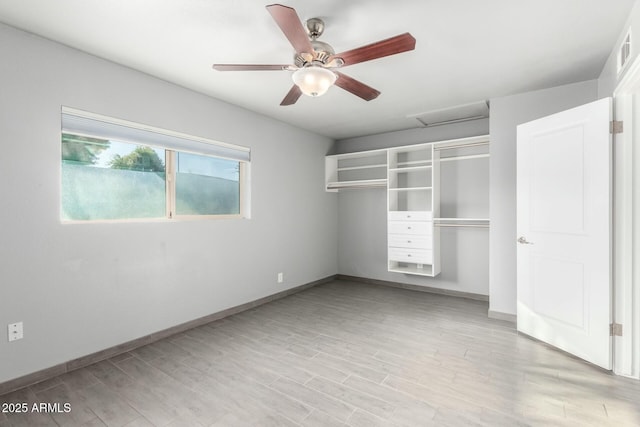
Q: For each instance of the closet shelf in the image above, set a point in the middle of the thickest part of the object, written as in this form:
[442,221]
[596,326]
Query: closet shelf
[353,168]
[462,222]
[461,219]
[356,170]
[362,183]
[412,168]
[456,158]
[411,189]
[412,269]
[415,162]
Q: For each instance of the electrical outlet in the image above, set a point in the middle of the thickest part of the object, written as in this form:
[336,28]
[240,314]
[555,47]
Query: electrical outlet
[15,331]
[280,277]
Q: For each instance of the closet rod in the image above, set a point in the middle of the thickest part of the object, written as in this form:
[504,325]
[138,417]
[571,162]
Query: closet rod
[456,158]
[463,225]
[471,144]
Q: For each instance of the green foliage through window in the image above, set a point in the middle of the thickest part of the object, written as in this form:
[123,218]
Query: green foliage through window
[82,149]
[141,159]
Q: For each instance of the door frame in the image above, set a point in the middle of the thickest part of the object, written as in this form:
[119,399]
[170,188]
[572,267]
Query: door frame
[626,232]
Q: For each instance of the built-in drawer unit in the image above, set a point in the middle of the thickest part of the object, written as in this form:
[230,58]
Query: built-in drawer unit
[410,216]
[419,228]
[417,256]
[409,241]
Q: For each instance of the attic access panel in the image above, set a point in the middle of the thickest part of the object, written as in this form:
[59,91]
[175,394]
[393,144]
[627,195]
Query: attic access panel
[461,113]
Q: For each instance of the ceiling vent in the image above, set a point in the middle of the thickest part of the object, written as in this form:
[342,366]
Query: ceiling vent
[461,113]
[624,53]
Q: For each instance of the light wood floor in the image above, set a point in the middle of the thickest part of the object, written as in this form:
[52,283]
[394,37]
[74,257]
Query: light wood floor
[341,354]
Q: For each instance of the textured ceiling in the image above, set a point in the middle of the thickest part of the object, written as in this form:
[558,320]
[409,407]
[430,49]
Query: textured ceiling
[466,50]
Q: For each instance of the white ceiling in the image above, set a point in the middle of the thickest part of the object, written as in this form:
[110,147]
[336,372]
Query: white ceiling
[466,50]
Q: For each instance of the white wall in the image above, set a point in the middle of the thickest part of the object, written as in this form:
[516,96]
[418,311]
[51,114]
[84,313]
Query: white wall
[362,216]
[506,113]
[85,287]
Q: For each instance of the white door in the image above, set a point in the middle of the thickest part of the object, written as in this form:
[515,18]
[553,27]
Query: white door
[564,231]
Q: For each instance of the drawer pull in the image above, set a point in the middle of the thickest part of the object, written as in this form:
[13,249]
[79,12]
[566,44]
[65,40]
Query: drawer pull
[409,255]
[408,241]
[408,228]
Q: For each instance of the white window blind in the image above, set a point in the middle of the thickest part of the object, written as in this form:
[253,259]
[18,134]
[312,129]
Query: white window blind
[93,125]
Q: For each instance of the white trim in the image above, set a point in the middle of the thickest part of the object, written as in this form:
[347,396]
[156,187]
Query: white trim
[499,315]
[170,184]
[626,289]
[180,218]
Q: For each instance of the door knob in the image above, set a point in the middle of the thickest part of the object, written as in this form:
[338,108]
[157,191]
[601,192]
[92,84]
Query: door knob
[523,241]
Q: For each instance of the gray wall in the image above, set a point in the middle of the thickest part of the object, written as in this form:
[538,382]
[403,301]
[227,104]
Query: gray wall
[412,136]
[362,216]
[80,288]
[506,114]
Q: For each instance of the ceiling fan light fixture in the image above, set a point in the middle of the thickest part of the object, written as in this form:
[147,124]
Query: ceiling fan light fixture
[314,80]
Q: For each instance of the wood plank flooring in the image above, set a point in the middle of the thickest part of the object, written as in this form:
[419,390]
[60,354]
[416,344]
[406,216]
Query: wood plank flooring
[340,354]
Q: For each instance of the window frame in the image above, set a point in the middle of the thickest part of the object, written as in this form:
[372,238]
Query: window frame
[244,173]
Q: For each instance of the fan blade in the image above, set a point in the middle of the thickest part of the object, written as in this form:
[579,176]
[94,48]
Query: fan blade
[356,87]
[292,96]
[289,22]
[249,67]
[398,44]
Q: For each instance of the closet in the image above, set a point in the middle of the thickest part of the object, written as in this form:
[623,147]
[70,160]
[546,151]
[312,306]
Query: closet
[428,188]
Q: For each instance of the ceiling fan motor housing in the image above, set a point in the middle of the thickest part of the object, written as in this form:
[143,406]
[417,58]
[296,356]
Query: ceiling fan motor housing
[315,27]
[321,51]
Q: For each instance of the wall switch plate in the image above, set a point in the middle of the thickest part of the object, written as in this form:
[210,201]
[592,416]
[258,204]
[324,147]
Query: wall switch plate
[280,277]
[15,331]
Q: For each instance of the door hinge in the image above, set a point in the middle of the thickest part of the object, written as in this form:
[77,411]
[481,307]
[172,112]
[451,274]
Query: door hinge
[616,126]
[615,330]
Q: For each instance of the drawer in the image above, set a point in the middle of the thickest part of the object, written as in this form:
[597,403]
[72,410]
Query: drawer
[409,241]
[416,256]
[410,216]
[424,228]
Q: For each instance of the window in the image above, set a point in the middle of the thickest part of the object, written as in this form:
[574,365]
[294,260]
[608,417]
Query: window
[207,185]
[116,170]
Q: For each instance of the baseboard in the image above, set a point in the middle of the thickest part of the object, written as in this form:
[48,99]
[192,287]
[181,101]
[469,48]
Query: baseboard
[431,290]
[499,315]
[81,362]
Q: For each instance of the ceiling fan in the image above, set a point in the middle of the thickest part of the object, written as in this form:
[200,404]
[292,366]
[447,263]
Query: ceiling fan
[315,62]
